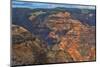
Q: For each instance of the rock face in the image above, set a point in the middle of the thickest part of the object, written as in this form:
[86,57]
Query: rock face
[61,15]
[70,33]
[26,48]
[73,41]
[22,55]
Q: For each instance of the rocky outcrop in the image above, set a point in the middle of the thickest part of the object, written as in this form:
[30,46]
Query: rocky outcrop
[26,48]
[70,33]
[73,41]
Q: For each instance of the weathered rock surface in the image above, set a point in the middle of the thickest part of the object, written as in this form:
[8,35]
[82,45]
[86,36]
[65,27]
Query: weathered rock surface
[74,41]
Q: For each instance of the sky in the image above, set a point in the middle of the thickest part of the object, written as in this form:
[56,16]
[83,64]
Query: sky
[33,5]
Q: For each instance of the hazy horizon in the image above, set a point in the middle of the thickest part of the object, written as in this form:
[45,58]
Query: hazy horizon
[33,5]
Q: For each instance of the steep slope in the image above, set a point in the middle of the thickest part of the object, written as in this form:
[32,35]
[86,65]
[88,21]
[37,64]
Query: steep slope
[53,38]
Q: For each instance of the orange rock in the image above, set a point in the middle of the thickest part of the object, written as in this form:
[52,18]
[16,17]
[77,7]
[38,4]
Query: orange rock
[75,54]
[22,55]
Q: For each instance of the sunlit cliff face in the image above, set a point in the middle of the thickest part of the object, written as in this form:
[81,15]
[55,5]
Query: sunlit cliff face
[70,38]
[67,31]
[61,24]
